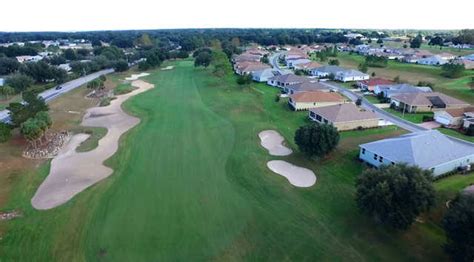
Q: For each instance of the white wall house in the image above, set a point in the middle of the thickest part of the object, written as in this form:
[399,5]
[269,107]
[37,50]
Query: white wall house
[351,75]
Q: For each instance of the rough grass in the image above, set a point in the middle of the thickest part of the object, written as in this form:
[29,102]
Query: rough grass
[456,133]
[416,118]
[190,183]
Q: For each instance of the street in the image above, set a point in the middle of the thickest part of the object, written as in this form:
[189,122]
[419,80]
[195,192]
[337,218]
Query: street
[52,93]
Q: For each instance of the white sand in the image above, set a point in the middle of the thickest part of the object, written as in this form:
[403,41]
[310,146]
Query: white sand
[297,176]
[136,76]
[72,172]
[272,141]
[167,68]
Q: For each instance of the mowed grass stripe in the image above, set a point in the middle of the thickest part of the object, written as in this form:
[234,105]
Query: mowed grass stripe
[170,198]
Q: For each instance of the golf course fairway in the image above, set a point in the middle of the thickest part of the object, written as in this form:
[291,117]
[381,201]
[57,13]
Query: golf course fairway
[190,183]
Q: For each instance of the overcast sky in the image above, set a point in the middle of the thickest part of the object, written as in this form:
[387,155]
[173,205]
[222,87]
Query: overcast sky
[60,15]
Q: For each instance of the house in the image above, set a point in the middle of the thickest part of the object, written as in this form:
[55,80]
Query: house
[411,58]
[432,60]
[468,64]
[370,84]
[28,58]
[351,75]
[344,116]
[325,71]
[307,100]
[307,66]
[2,81]
[447,56]
[429,150]
[264,75]
[244,68]
[454,117]
[469,57]
[246,58]
[305,87]
[426,102]
[285,80]
[65,67]
[396,89]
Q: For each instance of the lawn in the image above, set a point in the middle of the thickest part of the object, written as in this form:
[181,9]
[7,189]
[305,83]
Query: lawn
[456,133]
[191,183]
[372,99]
[416,118]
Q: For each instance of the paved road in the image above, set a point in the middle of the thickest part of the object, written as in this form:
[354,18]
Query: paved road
[407,125]
[52,93]
[274,63]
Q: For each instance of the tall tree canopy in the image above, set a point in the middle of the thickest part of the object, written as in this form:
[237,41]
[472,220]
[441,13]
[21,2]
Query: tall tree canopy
[316,139]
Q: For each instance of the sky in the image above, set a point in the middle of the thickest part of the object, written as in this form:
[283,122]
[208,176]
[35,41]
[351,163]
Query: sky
[85,15]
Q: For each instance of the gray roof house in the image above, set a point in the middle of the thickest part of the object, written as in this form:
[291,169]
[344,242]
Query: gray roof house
[264,75]
[305,87]
[392,90]
[285,80]
[429,150]
[325,71]
[432,60]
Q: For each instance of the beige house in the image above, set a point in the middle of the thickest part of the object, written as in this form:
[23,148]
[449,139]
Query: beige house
[453,118]
[307,100]
[344,117]
[426,102]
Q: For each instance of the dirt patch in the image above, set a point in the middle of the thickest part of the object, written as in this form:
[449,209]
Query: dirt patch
[297,176]
[273,142]
[72,172]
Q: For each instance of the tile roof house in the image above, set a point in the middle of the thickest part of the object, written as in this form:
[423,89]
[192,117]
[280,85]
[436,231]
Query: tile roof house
[426,102]
[307,100]
[244,68]
[396,89]
[285,80]
[453,118]
[370,84]
[351,75]
[307,66]
[325,71]
[246,58]
[429,150]
[305,87]
[344,116]
[264,75]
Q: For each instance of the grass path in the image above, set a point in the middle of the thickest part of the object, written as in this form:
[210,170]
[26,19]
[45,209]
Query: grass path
[191,183]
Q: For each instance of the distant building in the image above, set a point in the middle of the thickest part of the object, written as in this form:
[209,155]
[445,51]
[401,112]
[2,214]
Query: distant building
[351,75]
[307,100]
[397,89]
[432,60]
[264,75]
[429,150]
[325,71]
[370,84]
[453,118]
[426,102]
[305,87]
[287,79]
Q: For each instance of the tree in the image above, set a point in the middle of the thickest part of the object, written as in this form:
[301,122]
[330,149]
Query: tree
[203,59]
[5,132]
[7,91]
[373,74]
[470,130]
[120,65]
[244,79]
[8,65]
[334,62]
[437,40]
[19,82]
[265,59]
[363,67]
[395,195]
[379,41]
[397,79]
[358,102]
[70,54]
[458,224]
[416,42]
[452,70]
[316,139]
[31,130]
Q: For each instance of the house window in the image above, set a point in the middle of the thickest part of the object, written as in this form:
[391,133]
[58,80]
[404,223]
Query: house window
[319,118]
[381,159]
[375,156]
[363,151]
[326,121]
[393,163]
[311,114]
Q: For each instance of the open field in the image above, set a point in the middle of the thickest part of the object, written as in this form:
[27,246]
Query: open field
[190,181]
[413,73]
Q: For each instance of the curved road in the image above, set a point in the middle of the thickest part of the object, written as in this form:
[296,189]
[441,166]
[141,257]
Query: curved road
[52,93]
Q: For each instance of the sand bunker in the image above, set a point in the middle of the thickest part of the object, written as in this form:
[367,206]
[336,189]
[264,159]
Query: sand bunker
[72,172]
[167,68]
[136,76]
[272,141]
[297,176]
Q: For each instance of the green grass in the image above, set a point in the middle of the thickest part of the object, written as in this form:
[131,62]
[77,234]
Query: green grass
[123,88]
[372,99]
[416,118]
[190,182]
[456,133]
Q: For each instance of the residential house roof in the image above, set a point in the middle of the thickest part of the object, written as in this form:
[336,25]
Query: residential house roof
[436,59]
[308,66]
[330,69]
[458,112]
[351,73]
[267,72]
[468,64]
[290,78]
[376,81]
[246,58]
[412,149]
[391,90]
[308,86]
[429,99]
[317,96]
[344,113]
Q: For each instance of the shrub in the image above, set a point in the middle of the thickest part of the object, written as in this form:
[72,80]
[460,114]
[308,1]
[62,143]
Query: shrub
[316,139]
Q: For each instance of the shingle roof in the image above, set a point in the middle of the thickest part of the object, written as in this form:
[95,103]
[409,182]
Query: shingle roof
[317,96]
[330,69]
[344,113]
[457,112]
[268,72]
[425,149]
[351,72]
[290,78]
[376,81]
[425,99]
[308,86]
